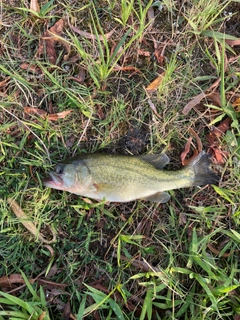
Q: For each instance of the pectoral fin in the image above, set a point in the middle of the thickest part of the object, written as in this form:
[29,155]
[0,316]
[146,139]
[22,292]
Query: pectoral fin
[157,160]
[160,197]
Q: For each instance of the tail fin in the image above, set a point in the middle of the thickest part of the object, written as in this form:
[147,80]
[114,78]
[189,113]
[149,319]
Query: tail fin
[203,174]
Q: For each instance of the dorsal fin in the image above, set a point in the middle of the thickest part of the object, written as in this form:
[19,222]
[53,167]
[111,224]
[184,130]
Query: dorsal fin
[159,161]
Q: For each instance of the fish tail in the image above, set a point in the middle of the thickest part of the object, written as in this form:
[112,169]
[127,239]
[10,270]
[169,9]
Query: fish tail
[203,174]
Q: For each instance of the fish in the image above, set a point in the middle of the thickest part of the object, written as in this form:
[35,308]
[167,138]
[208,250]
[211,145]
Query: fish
[125,178]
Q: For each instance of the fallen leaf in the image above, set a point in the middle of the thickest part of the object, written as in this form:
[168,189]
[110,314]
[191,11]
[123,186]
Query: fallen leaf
[59,115]
[218,131]
[42,316]
[43,114]
[182,219]
[186,151]
[13,279]
[90,35]
[207,93]
[53,271]
[127,68]
[153,86]
[195,101]
[48,41]
[219,155]
[143,53]
[233,43]
[217,252]
[187,148]
[34,6]
[160,51]
[67,311]
[213,137]
[196,136]
[51,285]
[215,97]
[31,68]
[30,226]
[4,82]
[236,104]
[151,17]
[50,250]
[32,110]
[153,107]
[137,263]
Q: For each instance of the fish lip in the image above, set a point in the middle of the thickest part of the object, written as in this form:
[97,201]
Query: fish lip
[53,180]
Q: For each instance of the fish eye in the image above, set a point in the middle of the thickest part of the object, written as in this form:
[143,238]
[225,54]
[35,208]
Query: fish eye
[59,169]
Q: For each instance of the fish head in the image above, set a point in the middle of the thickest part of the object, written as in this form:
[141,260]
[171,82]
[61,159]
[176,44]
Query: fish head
[74,178]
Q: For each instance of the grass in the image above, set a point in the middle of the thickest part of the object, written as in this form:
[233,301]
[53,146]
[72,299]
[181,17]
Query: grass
[136,260]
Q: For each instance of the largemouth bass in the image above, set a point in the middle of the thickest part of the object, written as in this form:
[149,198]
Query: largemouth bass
[121,178]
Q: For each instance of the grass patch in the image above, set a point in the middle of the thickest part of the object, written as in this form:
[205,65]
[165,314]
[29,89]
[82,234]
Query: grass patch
[135,260]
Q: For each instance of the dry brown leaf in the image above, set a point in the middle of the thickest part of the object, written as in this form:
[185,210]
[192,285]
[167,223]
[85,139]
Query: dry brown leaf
[4,82]
[66,311]
[215,97]
[50,250]
[186,151]
[90,35]
[217,252]
[117,67]
[31,68]
[195,101]
[42,316]
[213,139]
[214,135]
[30,226]
[59,115]
[34,6]
[233,42]
[143,53]
[13,279]
[50,284]
[32,110]
[160,51]
[140,264]
[207,93]
[43,114]
[219,155]
[196,136]
[151,17]
[48,41]
[153,107]
[153,86]
[236,104]
[187,148]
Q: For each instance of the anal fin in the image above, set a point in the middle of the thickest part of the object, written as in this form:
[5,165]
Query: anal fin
[160,197]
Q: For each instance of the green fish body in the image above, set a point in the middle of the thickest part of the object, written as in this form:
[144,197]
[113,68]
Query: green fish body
[120,178]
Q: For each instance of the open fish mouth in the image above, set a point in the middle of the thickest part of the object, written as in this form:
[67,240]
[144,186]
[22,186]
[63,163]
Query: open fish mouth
[53,181]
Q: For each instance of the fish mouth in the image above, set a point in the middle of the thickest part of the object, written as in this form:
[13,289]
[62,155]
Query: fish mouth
[53,181]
